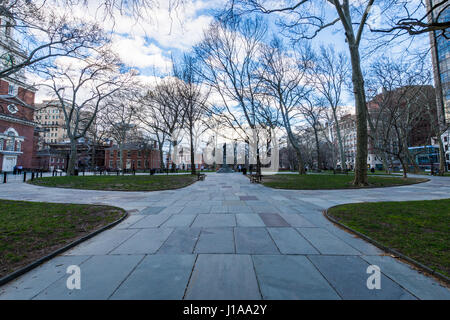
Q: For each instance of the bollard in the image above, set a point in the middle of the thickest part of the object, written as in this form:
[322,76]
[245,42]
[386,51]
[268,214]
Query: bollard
[4,177]
[32,176]
[24,177]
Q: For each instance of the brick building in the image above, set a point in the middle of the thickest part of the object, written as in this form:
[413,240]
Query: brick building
[17,128]
[134,157]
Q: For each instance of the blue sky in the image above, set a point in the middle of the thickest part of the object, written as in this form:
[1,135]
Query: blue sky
[148,44]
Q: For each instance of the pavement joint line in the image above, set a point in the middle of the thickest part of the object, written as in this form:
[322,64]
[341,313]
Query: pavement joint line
[329,283]
[190,276]
[127,276]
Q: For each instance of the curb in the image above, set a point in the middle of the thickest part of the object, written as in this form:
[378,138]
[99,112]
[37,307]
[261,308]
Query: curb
[40,261]
[417,264]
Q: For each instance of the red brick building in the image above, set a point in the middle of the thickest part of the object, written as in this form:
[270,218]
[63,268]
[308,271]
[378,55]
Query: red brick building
[17,134]
[16,125]
[134,157]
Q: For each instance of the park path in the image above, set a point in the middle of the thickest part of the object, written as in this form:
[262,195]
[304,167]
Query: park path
[225,238]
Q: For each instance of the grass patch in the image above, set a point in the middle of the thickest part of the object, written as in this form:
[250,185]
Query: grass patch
[417,229]
[327,181]
[118,183]
[31,230]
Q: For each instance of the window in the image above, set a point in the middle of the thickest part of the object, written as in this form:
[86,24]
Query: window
[12,89]
[12,109]
[8,29]
[139,164]
[2,142]
[10,144]
[18,146]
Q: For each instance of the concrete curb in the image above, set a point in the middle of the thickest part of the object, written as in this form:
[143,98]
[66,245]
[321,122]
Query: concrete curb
[387,249]
[40,261]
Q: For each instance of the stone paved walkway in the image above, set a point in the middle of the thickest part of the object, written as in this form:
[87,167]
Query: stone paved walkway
[225,238]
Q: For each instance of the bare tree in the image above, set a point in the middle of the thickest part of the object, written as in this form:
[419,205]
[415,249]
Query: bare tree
[329,73]
[228,55]
[164,111]
[284,77]
[416,17]
[396,112]
[120,114]
[304,19]
[44,35]
[80,88]
[193,96]
[313,111]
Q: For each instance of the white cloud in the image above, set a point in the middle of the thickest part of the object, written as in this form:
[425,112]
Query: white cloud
[135,52]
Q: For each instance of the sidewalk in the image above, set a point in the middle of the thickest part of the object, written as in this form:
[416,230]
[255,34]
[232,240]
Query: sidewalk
[225,238]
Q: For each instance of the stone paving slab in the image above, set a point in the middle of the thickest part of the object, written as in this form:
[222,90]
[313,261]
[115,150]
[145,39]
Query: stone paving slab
[32,283]
[223,277]
[215,240]
[157,277]
[249,220]
[103,243]
[145,241]
[297,220]
[152,210]
[180,241]
[419,285]
[273,220]
[179,220]
[254,241]
[96,282]
[327,243]
[290,241]
[214,220]
[285,277]
[348,276]
[153,221]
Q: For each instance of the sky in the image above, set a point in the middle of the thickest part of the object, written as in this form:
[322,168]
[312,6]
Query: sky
[149,43]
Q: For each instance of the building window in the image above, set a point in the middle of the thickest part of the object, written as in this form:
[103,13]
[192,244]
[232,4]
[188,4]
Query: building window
[12,89]
[10,144]
[139,164]
[18,146]
[12,109]
[2,142]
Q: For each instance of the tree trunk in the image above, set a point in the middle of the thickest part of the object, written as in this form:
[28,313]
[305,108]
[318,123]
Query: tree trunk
[405,169]
[361,119]
[121,157]
[341,144]
[442,164]
[192,151]
[301,163]
[316,137]
[72,158]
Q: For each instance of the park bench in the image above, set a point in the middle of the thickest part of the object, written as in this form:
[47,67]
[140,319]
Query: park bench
[255,178]
[201,176]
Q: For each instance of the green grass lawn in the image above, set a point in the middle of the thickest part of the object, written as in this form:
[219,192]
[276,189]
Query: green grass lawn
[31,230]
[330,181]
[118,183]
[418,229]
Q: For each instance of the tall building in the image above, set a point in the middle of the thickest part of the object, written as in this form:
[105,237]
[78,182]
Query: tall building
[17,128]
[440,50]
[50,117]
